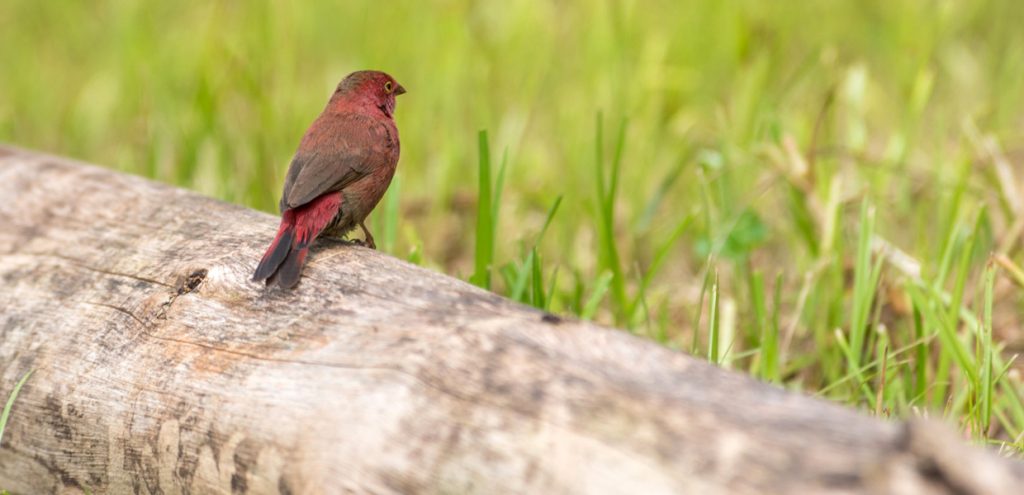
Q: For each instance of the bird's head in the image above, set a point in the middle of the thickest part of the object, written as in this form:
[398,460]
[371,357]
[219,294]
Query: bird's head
[368,88]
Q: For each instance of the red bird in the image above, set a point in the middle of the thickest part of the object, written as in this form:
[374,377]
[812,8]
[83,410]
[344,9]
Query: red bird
[344,164]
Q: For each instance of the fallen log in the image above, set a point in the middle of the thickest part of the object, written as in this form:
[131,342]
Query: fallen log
[161,368]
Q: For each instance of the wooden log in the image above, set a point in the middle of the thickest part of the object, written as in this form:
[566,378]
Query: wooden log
[161,368]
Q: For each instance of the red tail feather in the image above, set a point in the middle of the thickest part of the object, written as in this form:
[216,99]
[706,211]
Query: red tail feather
[285,257]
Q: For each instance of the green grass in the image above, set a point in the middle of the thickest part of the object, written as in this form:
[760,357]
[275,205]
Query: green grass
[822,194]
[6,414]
[486,218]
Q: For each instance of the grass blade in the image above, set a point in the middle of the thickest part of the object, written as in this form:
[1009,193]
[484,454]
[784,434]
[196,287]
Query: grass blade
[596,295]
[713,324]
[10,404]
[484,219]
[987,384]
[864,284]
[606,191]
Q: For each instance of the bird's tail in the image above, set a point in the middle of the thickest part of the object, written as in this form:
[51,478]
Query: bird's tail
[283,261]
[279,249]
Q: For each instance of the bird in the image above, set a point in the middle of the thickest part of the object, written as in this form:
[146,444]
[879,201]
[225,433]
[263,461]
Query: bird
[343,166]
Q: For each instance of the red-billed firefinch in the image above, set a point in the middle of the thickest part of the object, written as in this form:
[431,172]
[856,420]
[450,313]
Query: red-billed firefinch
[343,165]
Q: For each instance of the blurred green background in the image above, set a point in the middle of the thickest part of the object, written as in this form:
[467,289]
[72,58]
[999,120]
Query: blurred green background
[757,167]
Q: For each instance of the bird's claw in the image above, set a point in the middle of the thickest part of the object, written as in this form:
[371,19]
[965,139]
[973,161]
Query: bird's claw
[367,244]
[369,237]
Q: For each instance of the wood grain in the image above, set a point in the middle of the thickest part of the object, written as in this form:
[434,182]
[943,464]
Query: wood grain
[160,368]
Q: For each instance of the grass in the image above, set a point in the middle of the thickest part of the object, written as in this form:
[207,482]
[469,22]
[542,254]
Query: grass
[6,414]
[486,218]
[821,194]
[10,404]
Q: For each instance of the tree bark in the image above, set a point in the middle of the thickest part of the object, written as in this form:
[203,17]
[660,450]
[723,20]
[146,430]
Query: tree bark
[161,368]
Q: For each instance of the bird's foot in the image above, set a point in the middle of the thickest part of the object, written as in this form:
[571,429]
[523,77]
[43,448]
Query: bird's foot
[369,237]
[359,242]
[367,243]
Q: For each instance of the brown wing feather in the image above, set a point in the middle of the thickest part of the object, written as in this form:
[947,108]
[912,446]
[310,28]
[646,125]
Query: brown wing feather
[336,151]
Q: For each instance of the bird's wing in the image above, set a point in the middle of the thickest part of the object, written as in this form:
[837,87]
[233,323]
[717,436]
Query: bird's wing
[336,151]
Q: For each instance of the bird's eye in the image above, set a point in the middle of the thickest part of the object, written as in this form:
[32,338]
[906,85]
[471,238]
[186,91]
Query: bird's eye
[388,87]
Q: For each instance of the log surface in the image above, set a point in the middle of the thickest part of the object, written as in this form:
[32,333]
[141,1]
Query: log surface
[161,368]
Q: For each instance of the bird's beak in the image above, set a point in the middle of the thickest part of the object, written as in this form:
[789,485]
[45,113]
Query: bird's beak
[399,90]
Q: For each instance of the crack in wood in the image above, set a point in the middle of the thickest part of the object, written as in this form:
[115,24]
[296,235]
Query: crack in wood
[192,281]
[86,266]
